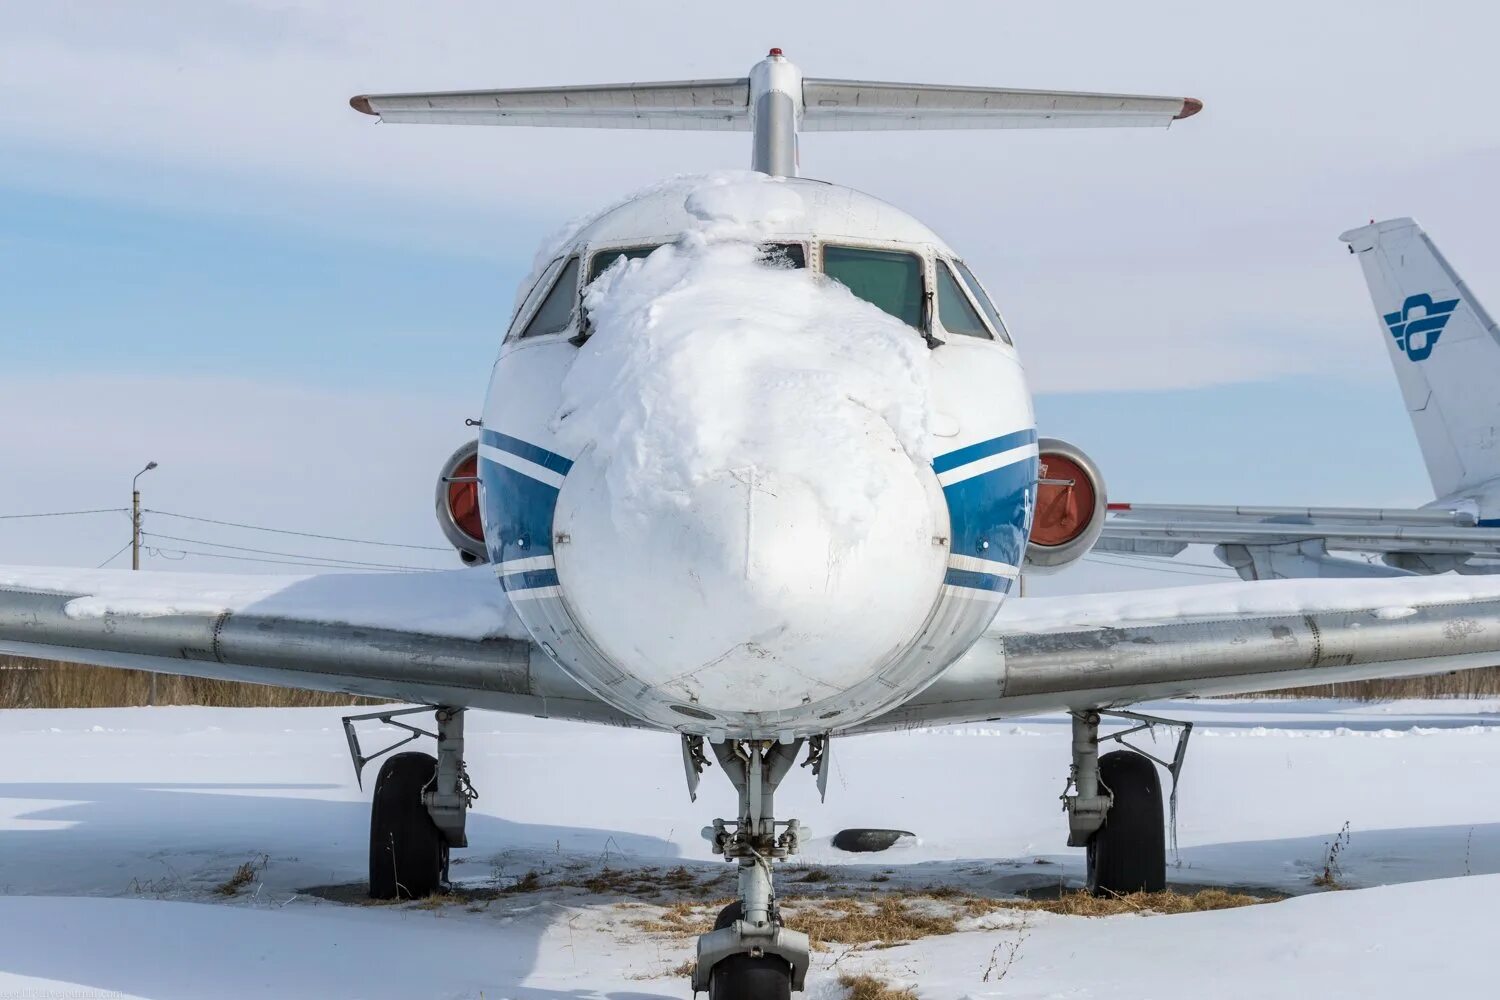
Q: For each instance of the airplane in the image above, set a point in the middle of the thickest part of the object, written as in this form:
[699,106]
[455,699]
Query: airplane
[757,469]
[1445,349]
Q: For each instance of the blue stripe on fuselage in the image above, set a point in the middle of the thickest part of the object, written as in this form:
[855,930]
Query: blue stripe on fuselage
[518,513]
[976,581]
[983,449]
[989,517]
[529,581]
[525,449]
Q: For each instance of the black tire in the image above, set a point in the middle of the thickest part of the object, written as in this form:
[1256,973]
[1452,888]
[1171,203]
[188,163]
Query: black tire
[408,853]
[728,915]
[1129,852]
[744,977]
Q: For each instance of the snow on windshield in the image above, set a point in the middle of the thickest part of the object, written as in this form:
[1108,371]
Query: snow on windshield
[704,360]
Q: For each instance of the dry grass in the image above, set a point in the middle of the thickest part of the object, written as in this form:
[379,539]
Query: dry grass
[1083,904]
[897,916]
[867,987]
[243,876]
[29,683]
[440,900]
[1483,682]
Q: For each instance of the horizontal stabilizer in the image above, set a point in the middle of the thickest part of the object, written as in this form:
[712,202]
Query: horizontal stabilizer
[869,106]
[709,105]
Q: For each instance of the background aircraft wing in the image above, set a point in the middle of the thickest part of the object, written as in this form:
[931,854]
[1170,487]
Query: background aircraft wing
[1111,650]
[447,638]
[1166,529]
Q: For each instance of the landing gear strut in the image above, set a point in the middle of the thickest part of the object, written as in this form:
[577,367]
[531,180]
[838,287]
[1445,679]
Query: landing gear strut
[420,805]
[750,955]
[1115,811]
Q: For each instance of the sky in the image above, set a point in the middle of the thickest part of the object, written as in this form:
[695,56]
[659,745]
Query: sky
[208,260]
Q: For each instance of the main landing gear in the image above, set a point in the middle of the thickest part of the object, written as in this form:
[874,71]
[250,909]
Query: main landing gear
[420,806]
[749,955]
[1115,809]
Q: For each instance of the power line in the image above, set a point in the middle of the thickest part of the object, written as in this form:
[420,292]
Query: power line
[367,568]
[300,534]
[1157,569]
[64,513]
[271,552]
[118,553]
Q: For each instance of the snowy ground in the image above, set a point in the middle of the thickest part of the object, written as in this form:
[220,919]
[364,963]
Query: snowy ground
[117,825]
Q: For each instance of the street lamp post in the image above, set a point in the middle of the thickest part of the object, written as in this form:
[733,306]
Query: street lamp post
[135,545]
[135,517]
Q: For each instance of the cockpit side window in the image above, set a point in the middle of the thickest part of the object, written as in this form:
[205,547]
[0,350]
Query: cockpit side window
[604,259]
[984,302]
[888,279]
[955,311]
[556,311]
[788,255]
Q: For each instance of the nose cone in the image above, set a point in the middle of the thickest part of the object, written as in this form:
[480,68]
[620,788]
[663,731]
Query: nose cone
[744,594]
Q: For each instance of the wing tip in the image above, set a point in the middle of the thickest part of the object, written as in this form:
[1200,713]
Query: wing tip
[361,103]
[1190,107]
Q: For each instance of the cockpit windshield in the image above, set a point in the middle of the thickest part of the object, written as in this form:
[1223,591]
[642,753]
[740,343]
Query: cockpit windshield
[789,255]
[984,301]
[605,258]
[888,279]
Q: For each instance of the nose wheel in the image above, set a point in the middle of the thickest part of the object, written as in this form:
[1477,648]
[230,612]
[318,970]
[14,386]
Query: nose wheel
[745,977]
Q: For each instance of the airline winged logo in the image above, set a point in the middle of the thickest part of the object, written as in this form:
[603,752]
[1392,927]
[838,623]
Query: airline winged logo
[1418,334]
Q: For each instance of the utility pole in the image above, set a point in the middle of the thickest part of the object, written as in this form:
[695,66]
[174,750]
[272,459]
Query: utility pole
[135,517]
[135,545]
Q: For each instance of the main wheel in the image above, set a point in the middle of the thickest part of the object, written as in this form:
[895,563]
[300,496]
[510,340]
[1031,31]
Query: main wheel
[408,853]
[744,977]
[1129,852]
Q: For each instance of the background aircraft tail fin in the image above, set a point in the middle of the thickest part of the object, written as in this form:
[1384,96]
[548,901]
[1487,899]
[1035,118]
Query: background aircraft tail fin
[1445,349]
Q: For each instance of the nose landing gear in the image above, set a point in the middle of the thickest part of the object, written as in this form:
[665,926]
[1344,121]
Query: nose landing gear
[749,955]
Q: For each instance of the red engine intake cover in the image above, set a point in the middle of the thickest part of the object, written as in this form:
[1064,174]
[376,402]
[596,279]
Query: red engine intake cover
[1063,512]
[463,499]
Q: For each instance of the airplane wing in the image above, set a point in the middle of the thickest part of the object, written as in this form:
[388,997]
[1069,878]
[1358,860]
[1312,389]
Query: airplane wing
[1111,650]
[446,638]
[450,639]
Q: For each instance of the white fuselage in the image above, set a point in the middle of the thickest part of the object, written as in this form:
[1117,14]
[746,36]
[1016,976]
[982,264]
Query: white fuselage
[728,496]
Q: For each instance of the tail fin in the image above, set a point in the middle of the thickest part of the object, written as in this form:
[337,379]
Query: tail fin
[1445,349]
[776,102]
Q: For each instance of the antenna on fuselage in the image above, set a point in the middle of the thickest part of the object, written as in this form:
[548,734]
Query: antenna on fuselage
[776,103]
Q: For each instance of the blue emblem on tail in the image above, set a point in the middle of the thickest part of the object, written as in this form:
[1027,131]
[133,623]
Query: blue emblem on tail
[1418,336]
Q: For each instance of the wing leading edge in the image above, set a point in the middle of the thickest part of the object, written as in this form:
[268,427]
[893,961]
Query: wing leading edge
[432,638]
[1111,650]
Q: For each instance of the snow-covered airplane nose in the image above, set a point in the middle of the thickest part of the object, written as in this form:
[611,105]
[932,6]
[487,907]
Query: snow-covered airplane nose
[743,594]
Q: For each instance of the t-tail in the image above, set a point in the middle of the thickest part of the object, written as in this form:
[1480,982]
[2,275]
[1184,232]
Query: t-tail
[1445,349]
[775,103]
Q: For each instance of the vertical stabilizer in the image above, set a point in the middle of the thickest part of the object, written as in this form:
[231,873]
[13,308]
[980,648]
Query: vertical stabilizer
[1445,349]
